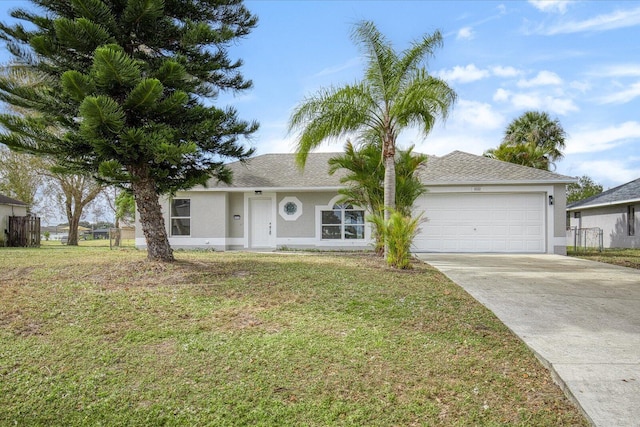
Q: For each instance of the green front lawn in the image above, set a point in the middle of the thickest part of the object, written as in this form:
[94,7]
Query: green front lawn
[623,257]
[90,336]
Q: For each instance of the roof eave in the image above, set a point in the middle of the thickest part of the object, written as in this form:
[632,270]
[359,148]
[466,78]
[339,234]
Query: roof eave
[265,189]
[518,182]
[17,205]
[601,205]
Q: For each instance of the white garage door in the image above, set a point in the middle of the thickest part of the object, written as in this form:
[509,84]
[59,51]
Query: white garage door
[469,222]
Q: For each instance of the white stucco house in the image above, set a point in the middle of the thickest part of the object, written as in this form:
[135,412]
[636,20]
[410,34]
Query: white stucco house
[9,207]
[614,212]
[474,204]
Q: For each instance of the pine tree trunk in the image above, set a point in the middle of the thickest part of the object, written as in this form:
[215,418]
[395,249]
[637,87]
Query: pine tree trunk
[151,219]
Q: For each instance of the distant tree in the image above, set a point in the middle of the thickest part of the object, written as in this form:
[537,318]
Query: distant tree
[365,177]
[584,188]
[533,139]
[30,179]
[122,94]
[20,176]
[125,207]
[73,193]
[33,175]
[395,93]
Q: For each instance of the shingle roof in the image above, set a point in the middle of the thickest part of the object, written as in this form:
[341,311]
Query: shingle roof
[280,171]
[4,200]
[629,192]
[459,167]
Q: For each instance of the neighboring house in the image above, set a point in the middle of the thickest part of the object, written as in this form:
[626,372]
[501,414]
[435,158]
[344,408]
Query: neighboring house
[474,204]
[613,211]
[100,233]
[9,207]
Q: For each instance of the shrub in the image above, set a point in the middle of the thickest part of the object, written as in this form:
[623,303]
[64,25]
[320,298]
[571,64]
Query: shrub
[398,234]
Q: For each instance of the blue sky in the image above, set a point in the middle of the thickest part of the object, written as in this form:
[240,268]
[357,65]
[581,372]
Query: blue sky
[577,60]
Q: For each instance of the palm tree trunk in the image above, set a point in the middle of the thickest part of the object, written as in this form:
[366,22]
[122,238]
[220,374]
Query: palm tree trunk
[389,186]
[389,192]
[151,219]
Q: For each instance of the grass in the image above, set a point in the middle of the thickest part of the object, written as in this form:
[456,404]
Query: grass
[99,243]
[622,257]
[92,336]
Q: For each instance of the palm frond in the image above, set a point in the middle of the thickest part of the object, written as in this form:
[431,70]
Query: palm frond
[423,101]
[411,58]
[381,60]
[329,115]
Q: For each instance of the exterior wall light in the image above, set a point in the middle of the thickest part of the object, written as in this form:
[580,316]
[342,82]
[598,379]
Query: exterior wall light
[550,200]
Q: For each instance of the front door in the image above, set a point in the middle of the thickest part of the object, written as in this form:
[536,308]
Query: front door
[261,224]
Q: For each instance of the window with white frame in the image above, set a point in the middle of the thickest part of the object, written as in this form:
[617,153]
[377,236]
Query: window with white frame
[631,220]
[181,217]
[343,222]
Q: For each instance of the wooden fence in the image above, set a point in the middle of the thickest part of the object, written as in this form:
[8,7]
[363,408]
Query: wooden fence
[24,231]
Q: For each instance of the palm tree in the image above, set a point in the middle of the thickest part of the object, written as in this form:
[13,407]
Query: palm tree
[365,176]
[533,139]
[529,155]
[395,93]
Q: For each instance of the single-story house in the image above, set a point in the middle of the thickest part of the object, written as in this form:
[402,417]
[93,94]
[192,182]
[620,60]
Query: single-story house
[474,204]
[614,212]
[100,233]
[9,207]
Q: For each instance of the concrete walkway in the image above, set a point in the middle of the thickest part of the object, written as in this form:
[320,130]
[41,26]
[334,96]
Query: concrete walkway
[581,318]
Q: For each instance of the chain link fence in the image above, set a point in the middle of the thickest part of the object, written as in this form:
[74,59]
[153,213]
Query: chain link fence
[585,239]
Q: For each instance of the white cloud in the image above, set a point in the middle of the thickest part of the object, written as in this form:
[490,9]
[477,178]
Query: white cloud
[501,95]
[619,70]
[476,114]
[550,5]
[601,139]
[610,173]
[623,96]
[544,78]
[445,140]
[472,127]
[501,71]
[611,21]
[465,33]
[580,86]
[470,73]
[466,74]
[559,105]
[536,101]
[527,101]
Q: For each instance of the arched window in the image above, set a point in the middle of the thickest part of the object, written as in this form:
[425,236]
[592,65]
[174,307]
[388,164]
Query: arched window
[343,222]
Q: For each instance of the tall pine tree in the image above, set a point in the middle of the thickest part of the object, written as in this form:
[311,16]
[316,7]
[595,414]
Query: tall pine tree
[121,89]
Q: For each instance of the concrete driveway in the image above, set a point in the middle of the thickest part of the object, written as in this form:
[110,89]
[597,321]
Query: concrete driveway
[581,318]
